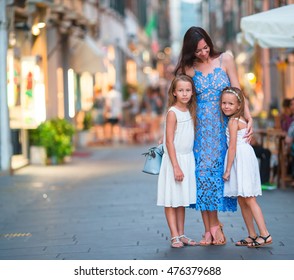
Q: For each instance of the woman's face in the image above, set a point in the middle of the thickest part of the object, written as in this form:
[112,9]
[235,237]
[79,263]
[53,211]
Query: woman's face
[202,51]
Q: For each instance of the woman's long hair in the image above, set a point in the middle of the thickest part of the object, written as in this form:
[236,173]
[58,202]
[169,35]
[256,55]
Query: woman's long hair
[173,99]
[190,42]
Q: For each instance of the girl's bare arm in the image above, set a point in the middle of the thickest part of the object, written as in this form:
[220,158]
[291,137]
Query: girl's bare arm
[233,129]
[171,124]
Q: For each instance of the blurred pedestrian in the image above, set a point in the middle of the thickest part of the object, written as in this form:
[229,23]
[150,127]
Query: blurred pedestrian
[98,113]
[264,155]
[287,115]
[211,72]
[241,172]
[290,142]
[152,109]
[176,181]
[133,105]
[113,114]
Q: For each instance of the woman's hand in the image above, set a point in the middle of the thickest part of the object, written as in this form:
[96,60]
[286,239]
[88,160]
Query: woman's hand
[249,131]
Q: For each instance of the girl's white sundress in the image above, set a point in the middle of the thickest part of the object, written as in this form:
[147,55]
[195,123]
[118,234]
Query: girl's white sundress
[244,178]
[172,193]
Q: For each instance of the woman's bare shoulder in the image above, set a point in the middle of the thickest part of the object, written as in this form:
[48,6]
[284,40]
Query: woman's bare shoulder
[190,71]
[227,57]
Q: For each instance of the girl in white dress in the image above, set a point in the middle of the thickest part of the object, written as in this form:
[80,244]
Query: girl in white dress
[176,180]
[241,175]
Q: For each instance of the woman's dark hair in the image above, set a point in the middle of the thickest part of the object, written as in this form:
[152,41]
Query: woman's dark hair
[190,42]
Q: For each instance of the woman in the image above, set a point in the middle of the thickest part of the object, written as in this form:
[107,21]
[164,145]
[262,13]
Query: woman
[211,72]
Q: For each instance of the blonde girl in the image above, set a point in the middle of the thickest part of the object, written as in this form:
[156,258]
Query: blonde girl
[241,174]
[176,181]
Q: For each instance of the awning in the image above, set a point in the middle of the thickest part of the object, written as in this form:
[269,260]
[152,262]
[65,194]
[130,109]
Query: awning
[271,29]
[86,56]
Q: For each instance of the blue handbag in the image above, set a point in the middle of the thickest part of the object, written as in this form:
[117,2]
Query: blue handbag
[153,160]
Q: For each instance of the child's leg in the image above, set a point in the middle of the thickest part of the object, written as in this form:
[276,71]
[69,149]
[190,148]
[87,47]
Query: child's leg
[248,219]
[247,216]
[259,219]
[171,217]
[257,214]
[180,213]
[180,216]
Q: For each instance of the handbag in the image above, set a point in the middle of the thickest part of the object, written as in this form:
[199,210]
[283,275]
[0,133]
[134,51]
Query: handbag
[153,160]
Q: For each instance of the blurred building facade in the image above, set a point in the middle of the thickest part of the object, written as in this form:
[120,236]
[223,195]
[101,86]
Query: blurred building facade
[58,51]
[266,75]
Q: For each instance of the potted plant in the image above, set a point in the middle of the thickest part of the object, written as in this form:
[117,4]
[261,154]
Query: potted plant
[38,154]
[84,134]
[55,136]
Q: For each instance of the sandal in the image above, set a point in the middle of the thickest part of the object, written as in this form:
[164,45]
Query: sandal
[256,244]
[218,241]
[188,241]
[177,243]
[244,242]
[207,239]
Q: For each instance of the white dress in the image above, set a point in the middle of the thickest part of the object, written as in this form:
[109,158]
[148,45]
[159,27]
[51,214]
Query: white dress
[172,193]
[244,178]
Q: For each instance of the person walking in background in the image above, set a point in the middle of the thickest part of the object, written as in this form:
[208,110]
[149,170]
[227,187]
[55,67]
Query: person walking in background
[133,104]
[98,113]
[211,72]
[113,114]
[241,172]
[176,181]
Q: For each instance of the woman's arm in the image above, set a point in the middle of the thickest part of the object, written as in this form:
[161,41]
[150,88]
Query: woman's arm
[231,70]
[233,129]
[171,123]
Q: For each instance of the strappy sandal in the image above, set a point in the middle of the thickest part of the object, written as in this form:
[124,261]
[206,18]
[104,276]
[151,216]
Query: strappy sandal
[256,244]
[244,242]
[189,242]
[206,239]
[177,243]
[218,241]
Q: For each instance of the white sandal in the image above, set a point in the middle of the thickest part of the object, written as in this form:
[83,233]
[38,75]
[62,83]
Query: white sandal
[177,243]
[190,241]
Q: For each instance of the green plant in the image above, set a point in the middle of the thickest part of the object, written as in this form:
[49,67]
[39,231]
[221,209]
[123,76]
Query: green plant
[56,136]
[87,121]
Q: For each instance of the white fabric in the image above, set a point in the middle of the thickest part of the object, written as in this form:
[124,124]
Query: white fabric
[86,55]
[270,29]
[172,193]
[244,178]
[113,102]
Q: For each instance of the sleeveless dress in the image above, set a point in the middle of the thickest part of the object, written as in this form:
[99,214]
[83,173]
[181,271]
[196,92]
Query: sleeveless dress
[171,193]
[244,177]
[210,142]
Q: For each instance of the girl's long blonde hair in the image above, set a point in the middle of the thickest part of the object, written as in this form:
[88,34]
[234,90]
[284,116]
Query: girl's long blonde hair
[173,99]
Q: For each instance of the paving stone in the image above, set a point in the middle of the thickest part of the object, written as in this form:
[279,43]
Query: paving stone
[103,207]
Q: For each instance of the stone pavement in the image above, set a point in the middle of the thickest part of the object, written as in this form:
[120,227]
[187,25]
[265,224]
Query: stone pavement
[100,206]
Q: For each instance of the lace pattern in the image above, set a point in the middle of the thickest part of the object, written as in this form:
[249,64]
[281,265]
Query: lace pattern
[210,143]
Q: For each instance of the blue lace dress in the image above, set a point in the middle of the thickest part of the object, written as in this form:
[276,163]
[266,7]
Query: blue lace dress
[210,143]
